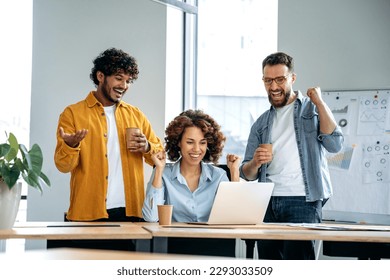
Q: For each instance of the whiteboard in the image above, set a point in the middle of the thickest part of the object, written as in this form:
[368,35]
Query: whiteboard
[360,173]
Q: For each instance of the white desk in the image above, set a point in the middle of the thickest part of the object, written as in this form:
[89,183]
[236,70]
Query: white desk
[92,254]
[380,234]
[80,231]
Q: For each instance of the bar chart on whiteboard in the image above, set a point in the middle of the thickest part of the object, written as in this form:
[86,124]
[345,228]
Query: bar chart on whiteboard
[360,172]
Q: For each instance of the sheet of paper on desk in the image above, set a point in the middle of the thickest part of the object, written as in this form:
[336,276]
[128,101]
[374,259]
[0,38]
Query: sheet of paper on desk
[324,226]
[199,225]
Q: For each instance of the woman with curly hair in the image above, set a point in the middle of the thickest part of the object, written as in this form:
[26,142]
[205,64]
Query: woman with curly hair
[193,141]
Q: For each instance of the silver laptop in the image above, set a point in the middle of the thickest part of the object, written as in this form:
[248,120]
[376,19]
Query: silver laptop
[240,203]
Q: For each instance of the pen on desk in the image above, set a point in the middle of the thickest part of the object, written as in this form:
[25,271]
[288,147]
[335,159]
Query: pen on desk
[83,226]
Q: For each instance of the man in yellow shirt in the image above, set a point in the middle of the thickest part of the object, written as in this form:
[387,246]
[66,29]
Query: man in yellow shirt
[107,179]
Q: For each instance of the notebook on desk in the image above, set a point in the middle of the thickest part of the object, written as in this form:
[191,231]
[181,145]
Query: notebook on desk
[239,203]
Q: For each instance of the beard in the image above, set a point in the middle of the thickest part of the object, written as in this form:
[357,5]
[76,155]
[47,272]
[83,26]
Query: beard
[280,103]
[106,93]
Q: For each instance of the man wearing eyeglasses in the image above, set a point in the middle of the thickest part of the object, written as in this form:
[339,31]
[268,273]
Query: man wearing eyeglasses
[300,129]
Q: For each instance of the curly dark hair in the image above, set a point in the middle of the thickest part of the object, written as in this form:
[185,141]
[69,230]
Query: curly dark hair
[195,118]
[279,58]
[112,61]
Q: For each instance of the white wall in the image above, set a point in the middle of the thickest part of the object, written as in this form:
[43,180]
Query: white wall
[337,44]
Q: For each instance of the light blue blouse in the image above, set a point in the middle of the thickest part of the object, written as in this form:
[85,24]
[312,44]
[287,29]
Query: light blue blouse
[187,206]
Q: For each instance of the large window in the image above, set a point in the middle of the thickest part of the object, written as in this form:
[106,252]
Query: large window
[233,38]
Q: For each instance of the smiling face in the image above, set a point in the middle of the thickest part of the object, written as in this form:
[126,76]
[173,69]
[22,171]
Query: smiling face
[279,94]
[193,146]
[111,89]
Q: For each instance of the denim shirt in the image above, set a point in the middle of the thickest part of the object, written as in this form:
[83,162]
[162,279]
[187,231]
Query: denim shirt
[311,146]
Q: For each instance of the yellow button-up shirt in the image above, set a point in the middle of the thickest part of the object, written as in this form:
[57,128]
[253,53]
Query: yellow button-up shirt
[88,163]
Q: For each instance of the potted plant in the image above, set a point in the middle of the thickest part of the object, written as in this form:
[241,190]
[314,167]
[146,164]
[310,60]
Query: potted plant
[18,162]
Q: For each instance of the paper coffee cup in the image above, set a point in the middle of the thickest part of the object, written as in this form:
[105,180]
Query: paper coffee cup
[130,140]
[164,214]
[267,146]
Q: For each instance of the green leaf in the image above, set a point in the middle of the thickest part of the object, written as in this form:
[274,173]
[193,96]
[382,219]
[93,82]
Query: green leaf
[36,158]
[26,160]
[17,161]
[31,178]
[33,159]
[14,148]
[10,175]
[4,149]
[20,165]
[45,179]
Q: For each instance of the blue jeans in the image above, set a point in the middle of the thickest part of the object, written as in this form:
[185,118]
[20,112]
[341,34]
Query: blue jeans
[290,209]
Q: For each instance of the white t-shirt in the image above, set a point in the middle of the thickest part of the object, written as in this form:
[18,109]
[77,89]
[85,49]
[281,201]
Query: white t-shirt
[116,186]
[285,169]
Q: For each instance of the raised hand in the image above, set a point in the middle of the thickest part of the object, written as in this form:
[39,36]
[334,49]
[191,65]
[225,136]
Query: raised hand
[159,159]
[73,139]
[315,95]
[233,163]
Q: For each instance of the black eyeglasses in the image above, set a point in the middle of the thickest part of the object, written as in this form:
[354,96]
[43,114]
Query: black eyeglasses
[278,80]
